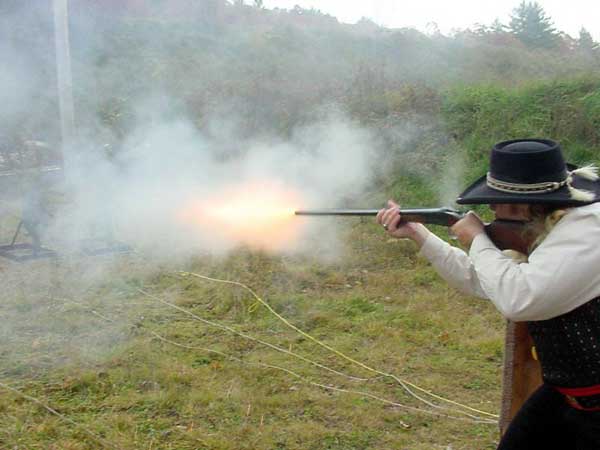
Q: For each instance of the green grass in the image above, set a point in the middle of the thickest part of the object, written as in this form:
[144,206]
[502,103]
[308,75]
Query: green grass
[78,334]
[565,110]
[82,346]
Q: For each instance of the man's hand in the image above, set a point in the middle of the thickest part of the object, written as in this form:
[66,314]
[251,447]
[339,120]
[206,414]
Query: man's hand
[467,228]
[391,220]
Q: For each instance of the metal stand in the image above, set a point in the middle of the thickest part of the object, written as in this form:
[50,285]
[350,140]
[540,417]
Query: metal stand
[25,251]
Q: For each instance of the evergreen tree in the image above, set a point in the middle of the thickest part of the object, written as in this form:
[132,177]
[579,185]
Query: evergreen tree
[530,24]
[497,26]
[586,43]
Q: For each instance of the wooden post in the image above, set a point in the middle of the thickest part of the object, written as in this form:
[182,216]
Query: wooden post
[63,72]
[522,374]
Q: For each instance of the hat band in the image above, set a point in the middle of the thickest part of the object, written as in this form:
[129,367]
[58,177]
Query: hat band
[521,188]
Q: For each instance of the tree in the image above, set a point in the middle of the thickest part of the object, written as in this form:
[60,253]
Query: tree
[530,24]
[586,43]
[497,26]
[258,4]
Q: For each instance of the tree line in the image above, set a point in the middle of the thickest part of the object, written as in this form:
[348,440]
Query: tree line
[529,23]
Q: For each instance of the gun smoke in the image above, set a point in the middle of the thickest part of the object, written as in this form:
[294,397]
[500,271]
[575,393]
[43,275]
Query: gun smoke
[164,167]
[138,184]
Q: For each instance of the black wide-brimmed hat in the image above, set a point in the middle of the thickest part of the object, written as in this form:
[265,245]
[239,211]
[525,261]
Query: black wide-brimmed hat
[533,171]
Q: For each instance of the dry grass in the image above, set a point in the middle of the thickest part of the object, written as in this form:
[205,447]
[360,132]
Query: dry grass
[81,341]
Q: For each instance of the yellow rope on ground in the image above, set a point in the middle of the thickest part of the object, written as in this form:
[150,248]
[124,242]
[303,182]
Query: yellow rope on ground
[298,376]
[245,336]
[324,386]
[405,384]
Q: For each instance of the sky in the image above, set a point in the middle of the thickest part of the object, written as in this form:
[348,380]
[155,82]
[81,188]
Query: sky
[568,16]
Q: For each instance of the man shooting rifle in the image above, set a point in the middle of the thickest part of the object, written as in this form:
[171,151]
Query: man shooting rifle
[554,293]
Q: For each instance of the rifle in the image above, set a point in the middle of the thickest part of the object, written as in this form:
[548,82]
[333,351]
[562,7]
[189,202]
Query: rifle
[521,372]
[505,234]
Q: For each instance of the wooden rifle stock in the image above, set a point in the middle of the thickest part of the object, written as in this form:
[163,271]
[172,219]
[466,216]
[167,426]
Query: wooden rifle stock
[509,235]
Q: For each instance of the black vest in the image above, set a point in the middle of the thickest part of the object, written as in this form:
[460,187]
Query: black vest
[568,346]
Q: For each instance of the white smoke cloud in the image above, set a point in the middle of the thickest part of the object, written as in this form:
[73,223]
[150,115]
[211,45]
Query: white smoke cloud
[139,195]
[133,188]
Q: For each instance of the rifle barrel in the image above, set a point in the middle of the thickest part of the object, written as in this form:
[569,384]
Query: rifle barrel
[434,216]
[337,212]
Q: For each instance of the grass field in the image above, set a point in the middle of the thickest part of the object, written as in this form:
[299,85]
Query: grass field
[94,340]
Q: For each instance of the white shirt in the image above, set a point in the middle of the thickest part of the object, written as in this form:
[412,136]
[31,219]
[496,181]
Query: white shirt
[562,273]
